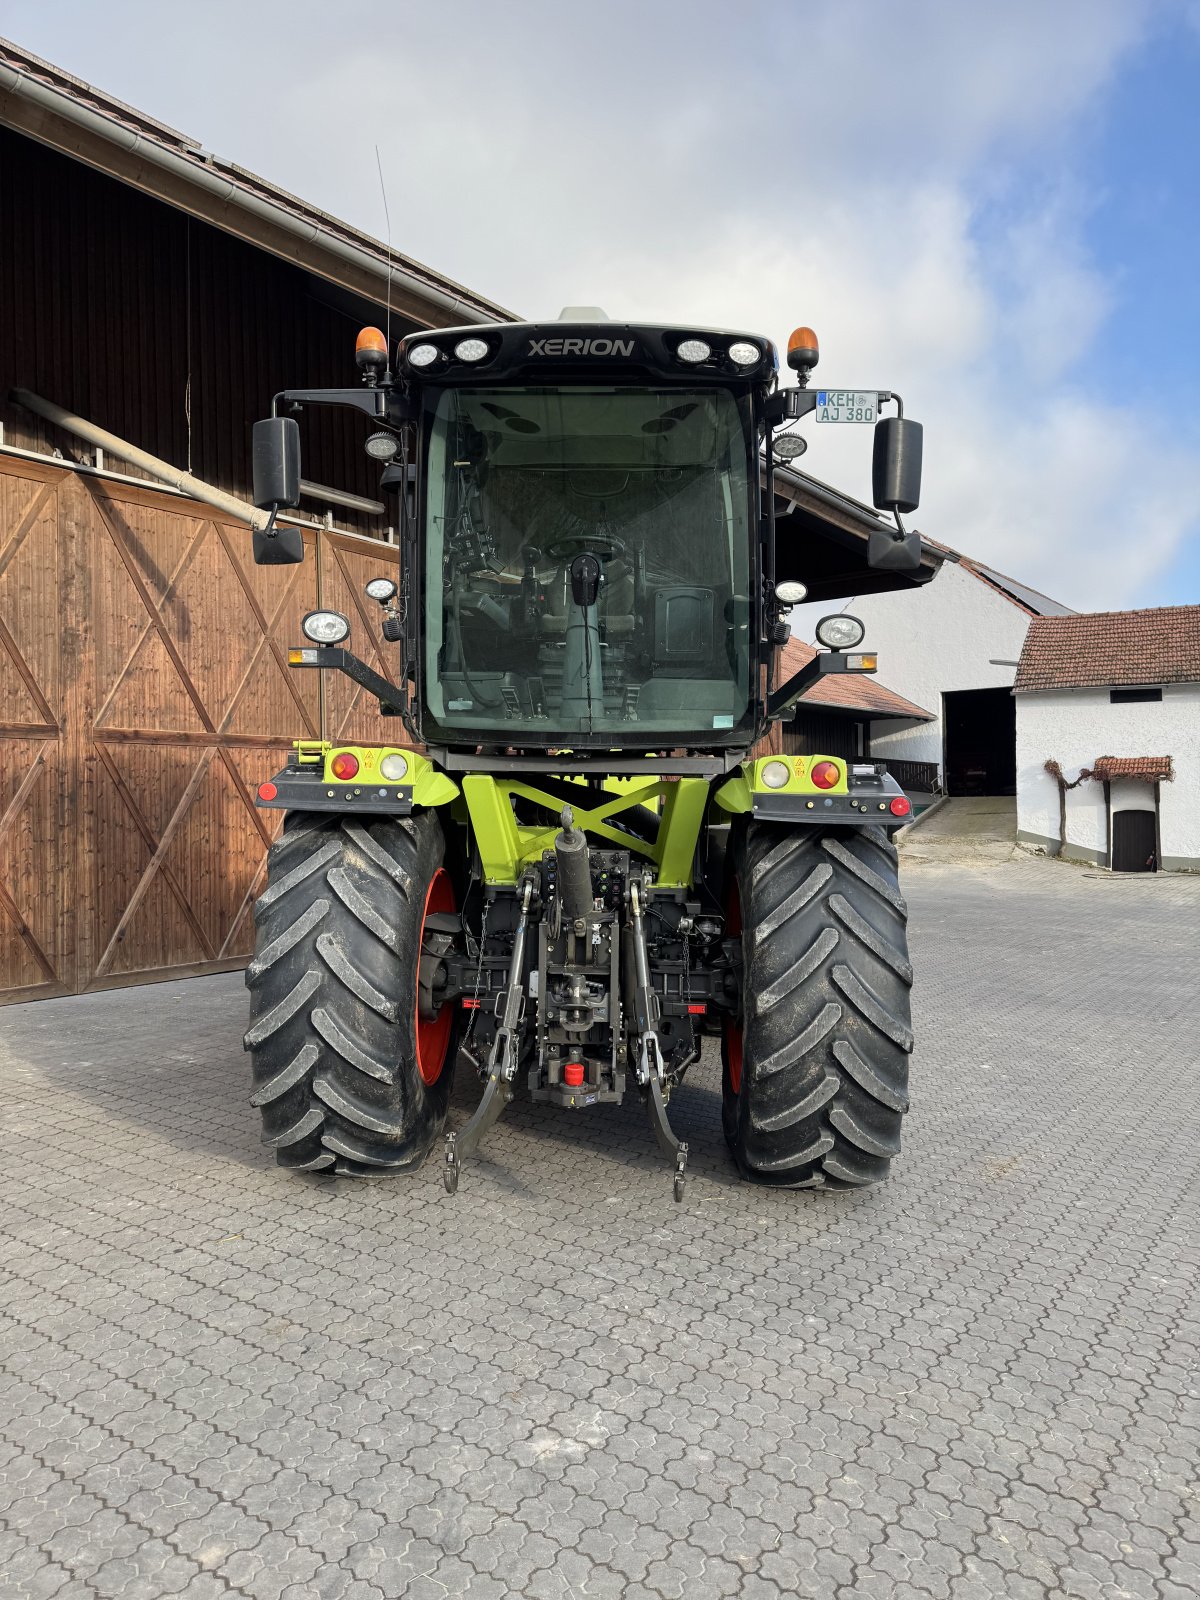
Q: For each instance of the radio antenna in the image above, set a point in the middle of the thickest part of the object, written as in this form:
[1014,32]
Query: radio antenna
[388,224]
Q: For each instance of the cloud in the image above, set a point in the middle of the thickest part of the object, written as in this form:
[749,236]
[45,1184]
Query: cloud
[912,180]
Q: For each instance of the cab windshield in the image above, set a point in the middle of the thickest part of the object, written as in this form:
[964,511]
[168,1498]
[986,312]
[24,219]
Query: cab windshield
[588,564]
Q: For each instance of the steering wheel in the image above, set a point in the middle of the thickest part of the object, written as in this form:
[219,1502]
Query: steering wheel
[592,544]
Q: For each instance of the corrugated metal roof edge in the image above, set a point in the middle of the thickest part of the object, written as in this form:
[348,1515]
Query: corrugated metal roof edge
[996,580]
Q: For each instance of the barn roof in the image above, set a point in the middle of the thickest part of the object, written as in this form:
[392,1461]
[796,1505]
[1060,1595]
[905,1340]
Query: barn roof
[855,692]
[1103,649]
[48,104]
[1031,601]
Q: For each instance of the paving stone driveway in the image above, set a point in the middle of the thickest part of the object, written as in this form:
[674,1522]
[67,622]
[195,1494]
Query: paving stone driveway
[978,1381]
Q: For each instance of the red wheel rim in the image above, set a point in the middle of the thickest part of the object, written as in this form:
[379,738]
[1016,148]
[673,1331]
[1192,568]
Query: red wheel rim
[433,1036]
[733,1027]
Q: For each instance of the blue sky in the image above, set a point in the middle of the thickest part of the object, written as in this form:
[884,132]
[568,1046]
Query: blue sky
[992,209]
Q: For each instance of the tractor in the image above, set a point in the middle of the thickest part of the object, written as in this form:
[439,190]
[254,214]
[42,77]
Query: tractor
[567,859]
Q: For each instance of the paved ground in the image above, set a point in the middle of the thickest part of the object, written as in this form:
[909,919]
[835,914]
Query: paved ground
[971,830]
[979,1381]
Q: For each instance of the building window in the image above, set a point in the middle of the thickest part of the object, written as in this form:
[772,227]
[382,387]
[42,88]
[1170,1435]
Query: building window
[1125,697]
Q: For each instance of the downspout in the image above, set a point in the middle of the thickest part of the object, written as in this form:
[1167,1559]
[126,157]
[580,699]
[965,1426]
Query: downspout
[185,482]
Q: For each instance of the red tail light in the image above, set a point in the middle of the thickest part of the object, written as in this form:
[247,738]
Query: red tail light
[900,807]
[344,765]
[825,774]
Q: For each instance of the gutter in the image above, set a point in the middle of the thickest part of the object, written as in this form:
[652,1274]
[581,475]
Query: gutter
[148,164]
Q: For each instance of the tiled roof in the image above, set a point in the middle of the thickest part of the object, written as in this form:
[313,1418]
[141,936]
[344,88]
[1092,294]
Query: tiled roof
[846,691]
[1112,648]
[1147,768]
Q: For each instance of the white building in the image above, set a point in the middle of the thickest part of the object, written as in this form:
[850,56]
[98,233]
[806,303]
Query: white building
[952,646]
[1108,738]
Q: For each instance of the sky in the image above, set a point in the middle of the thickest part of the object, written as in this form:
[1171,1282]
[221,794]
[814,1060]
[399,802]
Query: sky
[992,209]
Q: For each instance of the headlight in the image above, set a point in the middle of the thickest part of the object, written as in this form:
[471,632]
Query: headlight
[744,354]
[775,774]
[694,350]
[381,446]
[840,632]
[423,355]
[393,768]
[470,349]
[325,627]
[381,589]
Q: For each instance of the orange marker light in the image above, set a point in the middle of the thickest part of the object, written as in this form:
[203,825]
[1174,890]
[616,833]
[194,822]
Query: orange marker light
[803,351]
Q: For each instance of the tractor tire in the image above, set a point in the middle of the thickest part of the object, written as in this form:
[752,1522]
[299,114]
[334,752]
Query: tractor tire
[815,1078]
[348,1075]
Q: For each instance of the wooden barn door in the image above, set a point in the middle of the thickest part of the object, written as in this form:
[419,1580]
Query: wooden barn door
[41,651]
[144,694]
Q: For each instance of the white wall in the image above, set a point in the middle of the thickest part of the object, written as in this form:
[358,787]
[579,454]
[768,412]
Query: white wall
[1073,727]
[939,637]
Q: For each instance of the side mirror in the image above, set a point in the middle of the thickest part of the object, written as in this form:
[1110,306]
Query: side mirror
[282,547]
[896,468]
[275,463]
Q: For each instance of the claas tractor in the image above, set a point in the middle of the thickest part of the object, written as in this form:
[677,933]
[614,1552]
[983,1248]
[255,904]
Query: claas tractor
[566,860]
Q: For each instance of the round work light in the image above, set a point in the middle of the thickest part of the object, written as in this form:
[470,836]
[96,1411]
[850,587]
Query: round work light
[788,446]
[744,353]
[325,627]
[423,355]
[694,350]
[790,592]
[471,349]
[381,589]
[840,632]
[381,446]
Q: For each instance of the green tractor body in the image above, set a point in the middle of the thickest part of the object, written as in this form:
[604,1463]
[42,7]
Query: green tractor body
[563,859]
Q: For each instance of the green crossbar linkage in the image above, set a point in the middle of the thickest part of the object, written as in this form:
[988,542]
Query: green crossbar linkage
[505,846]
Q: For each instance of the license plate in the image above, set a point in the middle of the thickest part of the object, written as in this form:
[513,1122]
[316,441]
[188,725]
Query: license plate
[847,405]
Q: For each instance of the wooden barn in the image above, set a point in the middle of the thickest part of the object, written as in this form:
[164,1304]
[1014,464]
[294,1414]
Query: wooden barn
[164,295]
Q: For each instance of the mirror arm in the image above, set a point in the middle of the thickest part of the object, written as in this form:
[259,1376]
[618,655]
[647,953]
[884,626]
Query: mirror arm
[782,700]
[789,405]
[378,404]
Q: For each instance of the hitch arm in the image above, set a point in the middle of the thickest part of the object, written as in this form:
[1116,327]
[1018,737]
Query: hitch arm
[502,1059]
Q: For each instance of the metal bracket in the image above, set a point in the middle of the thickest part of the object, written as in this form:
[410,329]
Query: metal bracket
[330,658]
[502,1058]
[649,1064]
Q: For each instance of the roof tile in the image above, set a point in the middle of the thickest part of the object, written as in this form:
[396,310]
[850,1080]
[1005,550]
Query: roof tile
[1112,648]
[1147,768]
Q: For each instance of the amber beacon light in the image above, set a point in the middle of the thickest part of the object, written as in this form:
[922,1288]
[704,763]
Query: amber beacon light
[803,351]
[370,350]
